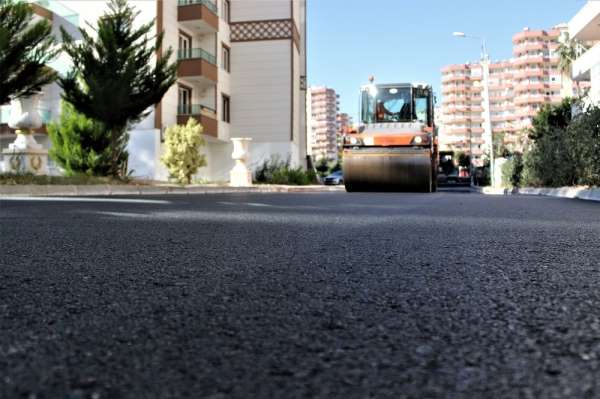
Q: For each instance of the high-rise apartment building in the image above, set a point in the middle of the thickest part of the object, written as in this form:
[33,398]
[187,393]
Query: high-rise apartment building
[241,73]
[516,88]
[323,107]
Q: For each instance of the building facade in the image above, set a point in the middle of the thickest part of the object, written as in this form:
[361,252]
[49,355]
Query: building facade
[241,73]
[323,106]
[500,99]
[59,16]
[585,28]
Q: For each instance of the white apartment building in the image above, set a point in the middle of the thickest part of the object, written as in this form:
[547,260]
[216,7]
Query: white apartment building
[585,27]
[241,73]
[323,106]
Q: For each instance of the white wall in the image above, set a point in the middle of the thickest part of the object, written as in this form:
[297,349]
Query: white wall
[251,10]
[224,82]
[260,85]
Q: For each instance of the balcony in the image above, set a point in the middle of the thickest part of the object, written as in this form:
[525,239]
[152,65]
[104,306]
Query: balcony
[197,65]
[198,15]
[206,116]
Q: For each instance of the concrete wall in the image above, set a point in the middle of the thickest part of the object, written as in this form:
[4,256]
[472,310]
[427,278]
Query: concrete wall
[261,102]
[251,10]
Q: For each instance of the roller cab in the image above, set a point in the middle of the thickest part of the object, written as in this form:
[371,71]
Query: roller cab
[395,147]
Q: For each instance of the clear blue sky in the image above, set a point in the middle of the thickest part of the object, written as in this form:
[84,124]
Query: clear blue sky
[411,40]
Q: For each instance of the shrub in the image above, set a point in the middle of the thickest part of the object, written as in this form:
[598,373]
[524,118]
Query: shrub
[182,157]
[322,167]
[549,160]
[276,171]
[512,171]
[80,144]
[583,140]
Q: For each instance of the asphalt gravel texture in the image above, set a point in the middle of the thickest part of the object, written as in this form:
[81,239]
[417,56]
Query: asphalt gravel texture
[331,295]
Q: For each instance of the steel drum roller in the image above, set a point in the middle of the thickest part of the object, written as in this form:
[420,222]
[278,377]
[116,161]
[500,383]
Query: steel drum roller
[387,169]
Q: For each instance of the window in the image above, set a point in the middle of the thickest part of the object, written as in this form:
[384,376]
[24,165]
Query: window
[185,45]
[226,10]
[226,103]
[184,100]
[225,57]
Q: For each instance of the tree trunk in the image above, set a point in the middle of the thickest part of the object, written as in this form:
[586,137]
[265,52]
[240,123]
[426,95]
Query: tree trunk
[114,167]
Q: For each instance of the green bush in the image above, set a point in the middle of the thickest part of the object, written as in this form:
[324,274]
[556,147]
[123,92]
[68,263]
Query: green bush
[276,171]
[322,167]
[182,157]
[550,160]
[512,171]
[583,140]
[80,144]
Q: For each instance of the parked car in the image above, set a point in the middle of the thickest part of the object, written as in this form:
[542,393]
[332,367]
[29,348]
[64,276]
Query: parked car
[334,179]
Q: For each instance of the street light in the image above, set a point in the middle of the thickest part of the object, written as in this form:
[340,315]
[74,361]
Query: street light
[485,65]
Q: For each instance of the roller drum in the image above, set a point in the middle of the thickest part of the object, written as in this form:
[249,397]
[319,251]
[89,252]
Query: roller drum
[388,169]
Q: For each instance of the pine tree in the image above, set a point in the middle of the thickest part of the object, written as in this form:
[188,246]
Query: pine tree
[25,50]
[80,144]
[115,79]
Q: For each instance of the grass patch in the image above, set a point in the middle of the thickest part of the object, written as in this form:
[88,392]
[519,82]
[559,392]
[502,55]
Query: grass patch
[18,179]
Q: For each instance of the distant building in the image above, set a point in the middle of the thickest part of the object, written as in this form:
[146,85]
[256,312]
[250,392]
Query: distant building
[584,27]
[516,88]
[323,107]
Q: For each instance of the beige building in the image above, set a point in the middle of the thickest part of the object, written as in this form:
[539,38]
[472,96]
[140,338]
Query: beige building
[323,107]
[501,98]
[241,73]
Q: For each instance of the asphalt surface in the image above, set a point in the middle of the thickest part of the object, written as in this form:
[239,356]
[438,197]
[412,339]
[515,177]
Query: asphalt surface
[449,295]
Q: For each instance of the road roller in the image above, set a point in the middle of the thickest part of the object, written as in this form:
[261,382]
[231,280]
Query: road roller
[395,146]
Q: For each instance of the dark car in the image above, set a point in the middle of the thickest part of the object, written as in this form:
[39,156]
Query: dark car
[334,179]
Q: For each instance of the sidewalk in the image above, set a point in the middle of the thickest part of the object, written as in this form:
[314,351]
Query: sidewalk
[112,190]
[582,193]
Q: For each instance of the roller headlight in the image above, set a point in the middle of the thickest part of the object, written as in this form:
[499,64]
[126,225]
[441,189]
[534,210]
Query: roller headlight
[417,140]
[352,140]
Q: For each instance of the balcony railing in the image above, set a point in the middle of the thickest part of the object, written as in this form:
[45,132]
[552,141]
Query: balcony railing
[196,53]
[207,3]
[196,109]
[59,9]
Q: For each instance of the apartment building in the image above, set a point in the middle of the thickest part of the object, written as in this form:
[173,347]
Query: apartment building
[501,98]
[59,17]
[585,27]
[241,73]
[323,105]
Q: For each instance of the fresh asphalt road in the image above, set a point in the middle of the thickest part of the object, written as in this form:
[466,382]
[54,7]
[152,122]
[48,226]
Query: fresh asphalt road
[335,295]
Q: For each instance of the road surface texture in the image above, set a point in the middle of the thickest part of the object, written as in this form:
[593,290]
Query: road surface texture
[449,295]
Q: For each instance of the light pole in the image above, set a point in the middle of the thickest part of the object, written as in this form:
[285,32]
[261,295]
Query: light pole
[485,66]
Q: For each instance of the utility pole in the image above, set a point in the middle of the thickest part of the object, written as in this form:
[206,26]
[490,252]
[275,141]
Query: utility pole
[485,95]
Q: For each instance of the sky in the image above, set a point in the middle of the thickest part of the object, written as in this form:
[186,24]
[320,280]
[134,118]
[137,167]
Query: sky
[411,40]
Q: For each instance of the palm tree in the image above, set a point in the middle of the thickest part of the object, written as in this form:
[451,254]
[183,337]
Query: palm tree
[568,51]
[26,47]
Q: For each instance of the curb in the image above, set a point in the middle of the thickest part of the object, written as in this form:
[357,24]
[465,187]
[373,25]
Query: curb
[582,193]
[104,190]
